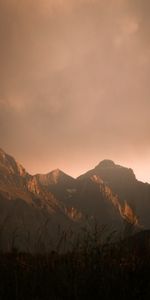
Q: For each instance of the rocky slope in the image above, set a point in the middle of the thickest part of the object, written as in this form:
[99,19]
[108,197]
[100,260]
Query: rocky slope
[124,183]
[35,207]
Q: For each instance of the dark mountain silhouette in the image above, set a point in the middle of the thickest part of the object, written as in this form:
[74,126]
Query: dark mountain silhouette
[108,194]
[124,183]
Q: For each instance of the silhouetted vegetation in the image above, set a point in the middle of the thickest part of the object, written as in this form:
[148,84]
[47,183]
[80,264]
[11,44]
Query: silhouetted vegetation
[94,268]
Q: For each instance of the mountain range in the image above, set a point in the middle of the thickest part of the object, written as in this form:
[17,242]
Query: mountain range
[39,207]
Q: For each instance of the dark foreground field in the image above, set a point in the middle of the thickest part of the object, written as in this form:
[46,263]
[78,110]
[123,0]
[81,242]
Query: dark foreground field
[118,270]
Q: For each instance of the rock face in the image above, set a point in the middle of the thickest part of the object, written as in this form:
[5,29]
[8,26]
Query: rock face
[27,206]
[33,206]
[123,182]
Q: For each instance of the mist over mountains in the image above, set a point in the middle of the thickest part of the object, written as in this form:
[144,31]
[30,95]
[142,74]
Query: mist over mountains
[41,204]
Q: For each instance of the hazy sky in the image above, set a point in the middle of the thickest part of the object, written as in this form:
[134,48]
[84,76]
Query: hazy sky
[75,83]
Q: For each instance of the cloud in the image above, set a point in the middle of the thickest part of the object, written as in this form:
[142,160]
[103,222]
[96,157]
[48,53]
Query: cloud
[128,27]
[74,78]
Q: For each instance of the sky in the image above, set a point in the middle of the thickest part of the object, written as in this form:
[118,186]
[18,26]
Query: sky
[75,84]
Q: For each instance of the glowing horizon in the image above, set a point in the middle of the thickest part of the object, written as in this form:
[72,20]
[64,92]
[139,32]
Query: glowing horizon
[141,172]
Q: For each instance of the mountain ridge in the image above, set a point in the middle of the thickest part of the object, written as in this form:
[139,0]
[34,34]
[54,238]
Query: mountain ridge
[106,193]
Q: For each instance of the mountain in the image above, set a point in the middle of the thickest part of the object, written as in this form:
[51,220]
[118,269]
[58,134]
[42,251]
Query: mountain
[123,182]
[27,208]
[34,208]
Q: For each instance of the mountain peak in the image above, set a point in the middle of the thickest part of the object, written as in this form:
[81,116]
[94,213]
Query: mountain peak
[58,175]
[109,170]
[54,177]
[56,171]
[9,165]
[106,163]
